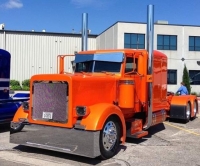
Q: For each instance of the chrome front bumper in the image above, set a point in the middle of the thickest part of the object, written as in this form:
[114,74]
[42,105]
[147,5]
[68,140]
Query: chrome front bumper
[80,142]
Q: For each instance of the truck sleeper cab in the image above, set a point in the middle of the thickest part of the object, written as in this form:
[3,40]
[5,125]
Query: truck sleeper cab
[8,105]
[90,112]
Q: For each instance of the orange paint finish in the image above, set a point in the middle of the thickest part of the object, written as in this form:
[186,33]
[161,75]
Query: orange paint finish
[140,92]
[93,89]
[126,51]
[159,81]
[104,96]
[20,114]
[60,63]
[140,80]
[136,126]
[180,100]
[99,114]
[90,98]
[159,117]
[183,100]
[53,77]
[193,98]
[140,84]
[126,93]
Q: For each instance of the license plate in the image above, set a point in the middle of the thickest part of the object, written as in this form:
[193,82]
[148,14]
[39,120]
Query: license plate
[47,115]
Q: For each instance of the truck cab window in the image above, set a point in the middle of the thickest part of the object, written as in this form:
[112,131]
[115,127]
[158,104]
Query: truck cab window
[131,64]
[99,66]
[84,66]
[107,66]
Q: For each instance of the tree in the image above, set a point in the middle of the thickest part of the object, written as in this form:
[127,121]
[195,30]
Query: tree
[186,79]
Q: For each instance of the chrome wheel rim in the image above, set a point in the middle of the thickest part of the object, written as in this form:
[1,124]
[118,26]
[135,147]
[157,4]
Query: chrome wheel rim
[188,111]
[109,135]
[195,108]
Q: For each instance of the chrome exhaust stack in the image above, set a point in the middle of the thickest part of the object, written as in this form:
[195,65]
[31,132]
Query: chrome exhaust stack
[84,31]
[150,39]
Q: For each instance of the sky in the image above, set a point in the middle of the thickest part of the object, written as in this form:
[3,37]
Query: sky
[65,16]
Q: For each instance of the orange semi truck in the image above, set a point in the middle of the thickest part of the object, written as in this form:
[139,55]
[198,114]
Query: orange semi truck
[112,94]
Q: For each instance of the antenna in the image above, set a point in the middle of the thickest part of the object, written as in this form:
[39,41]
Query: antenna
[2,26]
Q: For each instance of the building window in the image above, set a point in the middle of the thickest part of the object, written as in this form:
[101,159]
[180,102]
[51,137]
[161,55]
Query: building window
[194,77]
[194,43]
[167,42]
[133,40]
[171,76]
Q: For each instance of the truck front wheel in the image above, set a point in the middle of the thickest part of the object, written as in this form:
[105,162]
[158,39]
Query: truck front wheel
[16,127]
[109,138]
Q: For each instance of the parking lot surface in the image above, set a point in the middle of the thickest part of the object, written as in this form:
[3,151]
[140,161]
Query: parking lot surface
[172,143]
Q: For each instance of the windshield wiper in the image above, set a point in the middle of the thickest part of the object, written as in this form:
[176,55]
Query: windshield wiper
[84,73]
[107,73]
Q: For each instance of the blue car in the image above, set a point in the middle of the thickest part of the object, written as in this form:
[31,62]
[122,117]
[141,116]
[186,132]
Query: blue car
[8,105]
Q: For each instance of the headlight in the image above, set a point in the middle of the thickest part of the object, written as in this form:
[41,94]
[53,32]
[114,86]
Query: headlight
[82,111]
[25,106]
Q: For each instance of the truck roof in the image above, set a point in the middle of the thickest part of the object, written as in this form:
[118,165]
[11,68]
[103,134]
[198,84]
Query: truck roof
[4,53]
[111,50]
[125,51]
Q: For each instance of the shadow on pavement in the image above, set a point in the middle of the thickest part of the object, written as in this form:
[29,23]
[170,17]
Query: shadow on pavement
[75,158]
[92,161]
[59,155]
[151,131]
[4,127]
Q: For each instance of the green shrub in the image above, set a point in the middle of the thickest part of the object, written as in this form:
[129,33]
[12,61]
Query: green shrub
[186,79]
[14,83]
[16,87]
[26,83]
[27,88]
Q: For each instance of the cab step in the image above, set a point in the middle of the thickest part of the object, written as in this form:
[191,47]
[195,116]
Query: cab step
[139,134]
[135,128]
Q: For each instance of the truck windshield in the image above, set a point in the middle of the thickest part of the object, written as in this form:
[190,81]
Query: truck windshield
[84,66]
[98,66]
[107,66]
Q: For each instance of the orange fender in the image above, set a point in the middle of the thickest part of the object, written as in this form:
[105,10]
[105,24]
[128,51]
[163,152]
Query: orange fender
[183,100]
[20,114]
[180,100]
[99,113]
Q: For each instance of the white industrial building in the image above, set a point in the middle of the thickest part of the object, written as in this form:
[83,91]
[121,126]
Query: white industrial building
[36,52]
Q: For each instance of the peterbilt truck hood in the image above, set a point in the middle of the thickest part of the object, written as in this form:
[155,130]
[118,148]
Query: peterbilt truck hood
[54,97]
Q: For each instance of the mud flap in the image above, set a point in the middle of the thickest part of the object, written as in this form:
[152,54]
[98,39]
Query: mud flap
[178,112]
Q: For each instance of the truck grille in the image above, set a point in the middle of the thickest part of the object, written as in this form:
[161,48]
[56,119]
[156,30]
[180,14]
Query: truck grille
[50,101]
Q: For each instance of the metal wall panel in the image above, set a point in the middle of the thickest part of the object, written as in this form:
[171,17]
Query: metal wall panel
[36,53]
[2,39]
[109,38]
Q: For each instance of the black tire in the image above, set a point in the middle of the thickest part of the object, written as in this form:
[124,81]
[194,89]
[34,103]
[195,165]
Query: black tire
[109,149]
[188,112]
[17,128]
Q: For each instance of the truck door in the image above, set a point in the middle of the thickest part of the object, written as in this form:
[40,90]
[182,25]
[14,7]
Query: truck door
[133,67]
[131,70]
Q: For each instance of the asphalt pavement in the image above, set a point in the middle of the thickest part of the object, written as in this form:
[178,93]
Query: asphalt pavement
[172,143]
